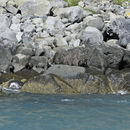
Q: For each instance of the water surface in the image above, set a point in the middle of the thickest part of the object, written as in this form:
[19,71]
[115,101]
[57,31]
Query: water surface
[65,112]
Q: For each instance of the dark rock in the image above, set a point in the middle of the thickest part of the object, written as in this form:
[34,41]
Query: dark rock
[5,56]
[125,63]
[101,57]
[76,56]
[118,29]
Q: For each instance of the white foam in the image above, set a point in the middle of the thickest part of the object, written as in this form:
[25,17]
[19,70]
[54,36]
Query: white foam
[67,100]
[122,92]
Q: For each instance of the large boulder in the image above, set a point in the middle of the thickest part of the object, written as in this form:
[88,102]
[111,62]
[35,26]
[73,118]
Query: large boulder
[54,26]
[100,57]
[91,35]
[73,14]
[32,8]
[77,56]
[94,21]
[65,70]
[118,29]
[5,58]
[4,23]
[8,37]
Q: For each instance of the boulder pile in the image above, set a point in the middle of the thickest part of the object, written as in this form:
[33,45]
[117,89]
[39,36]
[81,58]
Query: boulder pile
[72,49]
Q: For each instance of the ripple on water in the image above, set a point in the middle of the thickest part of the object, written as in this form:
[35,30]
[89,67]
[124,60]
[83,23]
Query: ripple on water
[65,112]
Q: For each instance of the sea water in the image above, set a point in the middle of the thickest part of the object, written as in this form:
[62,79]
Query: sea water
[65,112]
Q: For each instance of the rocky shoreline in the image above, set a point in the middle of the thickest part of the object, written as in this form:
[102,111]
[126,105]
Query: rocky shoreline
[55,48]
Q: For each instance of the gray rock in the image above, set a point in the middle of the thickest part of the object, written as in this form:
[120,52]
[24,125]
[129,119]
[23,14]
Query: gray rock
[5,56]
[125,63]
[37,21]
[91,35]
[112,42]
[94,21]
[19,36]
[54,26]
[17,67]
[28,27]
[73,14]
[77,56]
[4,23]
[58,3]
[10,8]
[37,8]
[15,27]
[39,61]
[25,51]
[65,71]
[60,41]
[8,36]
[124,39]
[128,46]
[16,19]
[119,29]
[20,59]
[74,43]
[42,42]
[100,57]
[49,53]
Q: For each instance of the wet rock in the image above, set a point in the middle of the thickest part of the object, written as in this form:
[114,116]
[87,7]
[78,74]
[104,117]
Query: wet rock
[48,84]
[91,35]
[119,80]
[86,83]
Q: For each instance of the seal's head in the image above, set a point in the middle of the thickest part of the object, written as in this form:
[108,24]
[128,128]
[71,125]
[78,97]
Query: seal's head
[15,84]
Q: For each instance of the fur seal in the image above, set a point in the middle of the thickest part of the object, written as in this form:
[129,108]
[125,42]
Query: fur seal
[15,84]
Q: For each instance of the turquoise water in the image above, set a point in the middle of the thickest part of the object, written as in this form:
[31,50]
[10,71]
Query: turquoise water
[65,112]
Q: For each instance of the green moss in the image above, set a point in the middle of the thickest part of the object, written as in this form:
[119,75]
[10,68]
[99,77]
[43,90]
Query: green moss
[119,2]
[72,2]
